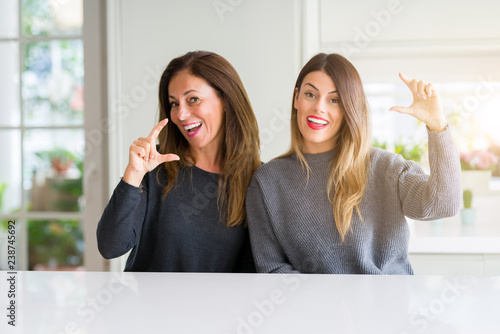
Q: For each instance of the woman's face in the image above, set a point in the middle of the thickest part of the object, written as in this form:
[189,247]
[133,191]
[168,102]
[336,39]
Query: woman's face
[319,114]
[197,111]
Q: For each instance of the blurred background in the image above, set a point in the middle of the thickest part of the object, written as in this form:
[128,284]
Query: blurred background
[79,79]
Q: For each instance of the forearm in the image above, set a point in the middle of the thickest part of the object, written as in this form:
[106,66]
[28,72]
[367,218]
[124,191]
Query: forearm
[268,253]
[437,195]
[117,230]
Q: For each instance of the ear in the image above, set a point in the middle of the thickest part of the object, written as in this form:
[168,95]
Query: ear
[295,98]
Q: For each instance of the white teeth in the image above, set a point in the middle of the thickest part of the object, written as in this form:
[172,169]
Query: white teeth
[317,121]
[190,126]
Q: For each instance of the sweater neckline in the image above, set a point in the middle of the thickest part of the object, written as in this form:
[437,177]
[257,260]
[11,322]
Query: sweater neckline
[204,171]
[320,157]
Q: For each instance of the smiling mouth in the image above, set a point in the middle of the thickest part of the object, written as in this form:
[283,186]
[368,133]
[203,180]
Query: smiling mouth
[192,128]
[316,123]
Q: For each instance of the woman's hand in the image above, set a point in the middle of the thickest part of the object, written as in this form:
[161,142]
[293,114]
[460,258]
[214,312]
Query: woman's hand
[143,156]
[426,104]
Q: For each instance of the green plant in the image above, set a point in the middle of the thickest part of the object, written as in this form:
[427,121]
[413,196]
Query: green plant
[53,240]
[60,160]
[409,152]
[382,145]
[467,199]
[3,186]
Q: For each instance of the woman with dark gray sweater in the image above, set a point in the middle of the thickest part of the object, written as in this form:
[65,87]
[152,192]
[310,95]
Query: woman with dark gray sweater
[180,207]
[334,204]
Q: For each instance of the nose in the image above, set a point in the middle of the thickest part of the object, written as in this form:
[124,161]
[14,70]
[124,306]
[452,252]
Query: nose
[319,106]
[183,111]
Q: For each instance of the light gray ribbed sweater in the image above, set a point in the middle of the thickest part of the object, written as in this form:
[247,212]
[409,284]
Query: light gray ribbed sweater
[291,222]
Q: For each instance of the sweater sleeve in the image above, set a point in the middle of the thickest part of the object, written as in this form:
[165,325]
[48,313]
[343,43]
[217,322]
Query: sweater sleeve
[434,196]
[119,228]
[268,254]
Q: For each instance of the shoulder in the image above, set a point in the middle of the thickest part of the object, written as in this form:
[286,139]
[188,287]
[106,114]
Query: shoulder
[385,162]
[275,167]
[383,157]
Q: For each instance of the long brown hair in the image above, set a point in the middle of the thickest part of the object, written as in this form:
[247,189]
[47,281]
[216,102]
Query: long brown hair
[348,177]
[240,148]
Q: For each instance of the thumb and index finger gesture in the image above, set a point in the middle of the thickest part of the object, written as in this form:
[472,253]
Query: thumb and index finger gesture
[153,154]
[143,156]
[426,105]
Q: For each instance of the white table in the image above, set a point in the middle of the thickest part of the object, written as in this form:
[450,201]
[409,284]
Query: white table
[98,302]
[450,248]
[451,237]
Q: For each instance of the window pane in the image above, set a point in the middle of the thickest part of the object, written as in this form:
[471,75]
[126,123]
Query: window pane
[10,172]
[52,83]
[55,245]
[471,109]
[9,18]
[51,17]
[53,169]
[10,114]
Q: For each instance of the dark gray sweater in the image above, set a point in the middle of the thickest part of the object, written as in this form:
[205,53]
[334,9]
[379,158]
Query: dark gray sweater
[180,233]
[291,222]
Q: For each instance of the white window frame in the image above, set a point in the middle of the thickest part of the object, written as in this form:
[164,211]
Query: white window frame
[95,160]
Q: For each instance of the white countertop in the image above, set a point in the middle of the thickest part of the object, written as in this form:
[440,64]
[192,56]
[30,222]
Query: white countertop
[92,302]
[452,237]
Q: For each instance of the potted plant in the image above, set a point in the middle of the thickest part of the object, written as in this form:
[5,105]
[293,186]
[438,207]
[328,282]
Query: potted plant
[468,214]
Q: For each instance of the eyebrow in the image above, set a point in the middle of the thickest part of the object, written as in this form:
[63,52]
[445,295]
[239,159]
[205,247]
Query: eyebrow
[185,93]
[318,89]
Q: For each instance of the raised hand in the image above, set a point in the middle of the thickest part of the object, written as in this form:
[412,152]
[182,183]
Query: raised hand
[143,156]
[426,104]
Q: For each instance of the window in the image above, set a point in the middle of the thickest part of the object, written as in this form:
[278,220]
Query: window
[42,127]
[471,110]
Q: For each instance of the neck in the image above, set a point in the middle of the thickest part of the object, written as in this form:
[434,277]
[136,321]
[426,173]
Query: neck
[317,148]
[208,159]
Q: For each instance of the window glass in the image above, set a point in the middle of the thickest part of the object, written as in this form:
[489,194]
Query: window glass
[10,114]
[52,17]
[53,169]
[472,110]
[55,244]
[10,173]
[52,83]
[9,19]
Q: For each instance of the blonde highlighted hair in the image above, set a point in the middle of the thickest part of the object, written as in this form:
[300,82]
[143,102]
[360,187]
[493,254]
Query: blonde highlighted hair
[240,147]
[351,163]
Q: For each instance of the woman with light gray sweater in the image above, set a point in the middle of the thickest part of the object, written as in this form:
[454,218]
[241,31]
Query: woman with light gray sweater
[334,204]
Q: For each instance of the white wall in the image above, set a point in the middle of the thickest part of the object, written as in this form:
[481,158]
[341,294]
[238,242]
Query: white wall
[439,41]
[260,38]
[444,40]
[436,41]
[268,41]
